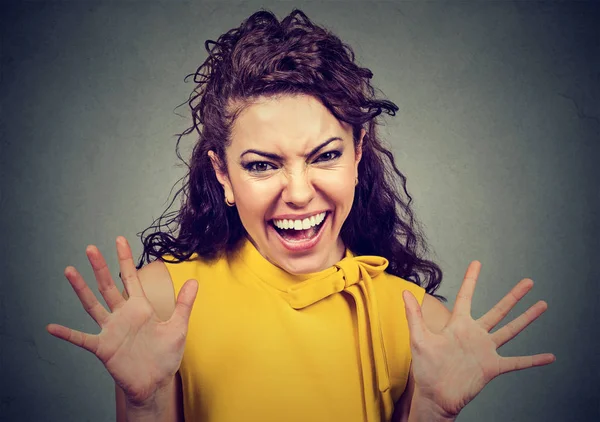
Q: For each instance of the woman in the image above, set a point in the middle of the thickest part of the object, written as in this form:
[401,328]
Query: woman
[295,287]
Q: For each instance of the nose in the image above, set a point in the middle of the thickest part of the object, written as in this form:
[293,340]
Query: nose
[298,189]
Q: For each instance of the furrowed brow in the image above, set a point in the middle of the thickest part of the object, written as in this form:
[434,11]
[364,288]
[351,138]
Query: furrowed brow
[273,156]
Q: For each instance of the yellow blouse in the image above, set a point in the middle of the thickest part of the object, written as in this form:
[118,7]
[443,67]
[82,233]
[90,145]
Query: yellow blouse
[265,345]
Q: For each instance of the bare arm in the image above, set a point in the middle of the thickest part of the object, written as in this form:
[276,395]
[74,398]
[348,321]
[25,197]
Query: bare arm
[158,287]
[436,316]
[128,324]
[450,367]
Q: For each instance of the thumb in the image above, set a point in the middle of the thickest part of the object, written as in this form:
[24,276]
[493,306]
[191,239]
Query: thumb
[416,324]
[185,302]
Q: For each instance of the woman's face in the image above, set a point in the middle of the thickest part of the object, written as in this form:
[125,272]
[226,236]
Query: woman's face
[291,163]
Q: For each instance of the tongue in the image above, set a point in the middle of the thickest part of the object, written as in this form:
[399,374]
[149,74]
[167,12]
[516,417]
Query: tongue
[299,235]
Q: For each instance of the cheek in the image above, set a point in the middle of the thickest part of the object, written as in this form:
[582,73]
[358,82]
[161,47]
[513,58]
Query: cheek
[338,182]
[255,195]
[338,190]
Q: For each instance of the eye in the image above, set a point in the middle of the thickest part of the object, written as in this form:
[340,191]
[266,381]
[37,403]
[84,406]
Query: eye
[258,166]
[328,156]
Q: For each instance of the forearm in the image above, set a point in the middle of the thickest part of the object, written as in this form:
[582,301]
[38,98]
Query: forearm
[423,410]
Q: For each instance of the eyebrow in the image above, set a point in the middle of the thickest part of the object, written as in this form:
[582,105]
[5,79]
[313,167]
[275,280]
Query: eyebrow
[280,158]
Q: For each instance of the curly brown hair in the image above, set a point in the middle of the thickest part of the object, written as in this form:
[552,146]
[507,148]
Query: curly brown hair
[265,57]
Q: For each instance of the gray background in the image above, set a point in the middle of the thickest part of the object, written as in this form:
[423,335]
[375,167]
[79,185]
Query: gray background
[497,133]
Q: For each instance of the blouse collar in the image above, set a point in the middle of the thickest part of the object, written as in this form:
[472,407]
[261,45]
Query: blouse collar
[354,276]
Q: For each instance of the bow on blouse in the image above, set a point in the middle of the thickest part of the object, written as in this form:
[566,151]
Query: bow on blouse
[354,276]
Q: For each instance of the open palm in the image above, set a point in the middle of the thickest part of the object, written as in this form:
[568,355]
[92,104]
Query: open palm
[141,352]
[451,367]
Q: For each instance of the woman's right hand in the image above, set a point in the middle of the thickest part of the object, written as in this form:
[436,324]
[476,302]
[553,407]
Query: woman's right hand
[141,352]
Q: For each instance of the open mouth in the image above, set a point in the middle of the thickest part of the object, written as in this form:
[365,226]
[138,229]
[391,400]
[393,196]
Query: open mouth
[293,234]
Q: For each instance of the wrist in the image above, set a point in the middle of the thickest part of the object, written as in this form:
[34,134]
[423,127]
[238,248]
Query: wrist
[423,409]
[153,407]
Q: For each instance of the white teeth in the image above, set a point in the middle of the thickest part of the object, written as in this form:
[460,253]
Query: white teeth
[307,223]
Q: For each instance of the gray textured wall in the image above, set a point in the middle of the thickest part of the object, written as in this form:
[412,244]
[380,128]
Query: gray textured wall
[497,133]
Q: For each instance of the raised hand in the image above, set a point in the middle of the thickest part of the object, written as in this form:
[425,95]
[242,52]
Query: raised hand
[451,367]
[141,352]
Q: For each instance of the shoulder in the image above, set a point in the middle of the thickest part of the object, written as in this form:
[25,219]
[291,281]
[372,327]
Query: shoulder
[158,287]
[390,287]
[164,278]
[435,313]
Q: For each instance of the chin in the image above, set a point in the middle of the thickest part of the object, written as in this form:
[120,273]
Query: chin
[305,265]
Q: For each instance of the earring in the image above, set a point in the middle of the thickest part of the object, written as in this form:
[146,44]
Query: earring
[229,204]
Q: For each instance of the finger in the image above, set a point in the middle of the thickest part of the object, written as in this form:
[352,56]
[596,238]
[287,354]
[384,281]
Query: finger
[510,330]
[516,363]
[88,342]
[414,316]
[462,306]
[86,296]
[185,303]
[128,270]
[106,284]
[502,308]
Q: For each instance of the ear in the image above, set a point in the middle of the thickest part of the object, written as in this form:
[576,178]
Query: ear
[358,152]
[222,177]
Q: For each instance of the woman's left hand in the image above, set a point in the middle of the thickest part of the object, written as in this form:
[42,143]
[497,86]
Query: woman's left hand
[451,367]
